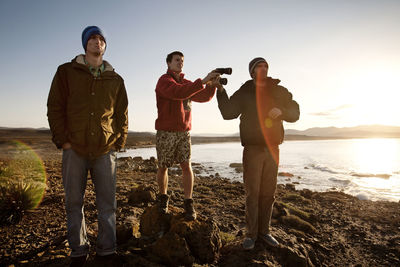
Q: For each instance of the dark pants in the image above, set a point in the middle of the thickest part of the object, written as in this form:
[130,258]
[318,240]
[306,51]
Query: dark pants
[260,172]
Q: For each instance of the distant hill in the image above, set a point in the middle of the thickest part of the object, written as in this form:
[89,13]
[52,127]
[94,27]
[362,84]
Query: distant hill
[363,131]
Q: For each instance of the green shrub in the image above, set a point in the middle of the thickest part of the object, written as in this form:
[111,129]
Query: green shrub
[293,197]
[226,238]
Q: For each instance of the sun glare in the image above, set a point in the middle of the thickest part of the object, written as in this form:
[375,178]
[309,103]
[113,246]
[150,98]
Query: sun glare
[376,156]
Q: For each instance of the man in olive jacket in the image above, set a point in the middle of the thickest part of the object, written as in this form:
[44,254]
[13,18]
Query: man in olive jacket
[263,104]
[88,118]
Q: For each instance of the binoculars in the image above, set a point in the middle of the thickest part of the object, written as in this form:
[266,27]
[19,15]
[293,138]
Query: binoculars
[221,71]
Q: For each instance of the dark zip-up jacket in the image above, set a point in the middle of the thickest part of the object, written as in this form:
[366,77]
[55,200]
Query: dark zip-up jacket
[89,112]
[255,126]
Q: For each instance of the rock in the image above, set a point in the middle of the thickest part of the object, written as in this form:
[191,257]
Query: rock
[125,158]
[236,165]
[124,233]
[201,237]
[239,169]
[285,174]
[140,159]
[150,165]
[298,223]
[142,195]
[173,250]
[295,258]
[152,223]
[290,187]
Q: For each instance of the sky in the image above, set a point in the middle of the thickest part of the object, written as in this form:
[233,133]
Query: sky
[339,59]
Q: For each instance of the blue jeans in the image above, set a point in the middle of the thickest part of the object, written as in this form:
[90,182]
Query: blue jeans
[103,172]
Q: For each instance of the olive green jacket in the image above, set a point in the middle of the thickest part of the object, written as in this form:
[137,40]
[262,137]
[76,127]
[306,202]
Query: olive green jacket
[89,112]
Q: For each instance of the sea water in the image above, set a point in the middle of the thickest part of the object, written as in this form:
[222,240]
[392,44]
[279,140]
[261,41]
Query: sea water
[365,168]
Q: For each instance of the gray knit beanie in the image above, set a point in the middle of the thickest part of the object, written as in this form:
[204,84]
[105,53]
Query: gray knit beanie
[254,62]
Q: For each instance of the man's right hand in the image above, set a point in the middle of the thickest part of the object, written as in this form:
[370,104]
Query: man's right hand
[210,76]
[216,83]
[66,146]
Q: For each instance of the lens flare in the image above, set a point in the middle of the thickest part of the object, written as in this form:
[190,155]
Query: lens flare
[270,128]
[23,167]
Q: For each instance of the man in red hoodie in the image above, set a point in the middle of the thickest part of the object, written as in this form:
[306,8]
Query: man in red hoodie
[174,95]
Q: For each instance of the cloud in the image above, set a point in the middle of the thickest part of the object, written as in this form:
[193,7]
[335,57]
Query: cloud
[331,112]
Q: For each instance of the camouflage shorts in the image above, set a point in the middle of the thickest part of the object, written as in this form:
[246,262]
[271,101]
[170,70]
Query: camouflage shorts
[172,147]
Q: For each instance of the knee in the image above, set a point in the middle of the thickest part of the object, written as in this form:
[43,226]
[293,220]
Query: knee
[73,205]
[186,167]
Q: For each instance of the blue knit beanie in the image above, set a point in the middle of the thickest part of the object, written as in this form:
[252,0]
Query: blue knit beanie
[89,31]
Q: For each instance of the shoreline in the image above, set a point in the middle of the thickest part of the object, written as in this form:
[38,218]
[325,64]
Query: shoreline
[314,229]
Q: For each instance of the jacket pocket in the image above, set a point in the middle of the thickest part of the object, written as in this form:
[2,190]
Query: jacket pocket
[108,136]
[77,137]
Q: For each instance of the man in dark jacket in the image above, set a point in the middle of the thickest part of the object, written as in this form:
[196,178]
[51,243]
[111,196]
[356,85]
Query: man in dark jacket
[174,94]
[263,104]
[88,117]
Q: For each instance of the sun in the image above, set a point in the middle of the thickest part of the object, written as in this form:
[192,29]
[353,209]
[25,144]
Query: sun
[375,156]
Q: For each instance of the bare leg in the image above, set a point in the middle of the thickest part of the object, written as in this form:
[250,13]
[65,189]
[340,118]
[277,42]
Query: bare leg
[162,179]
[187,175]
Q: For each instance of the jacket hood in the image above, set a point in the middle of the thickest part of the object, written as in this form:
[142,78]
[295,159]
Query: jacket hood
[80,59]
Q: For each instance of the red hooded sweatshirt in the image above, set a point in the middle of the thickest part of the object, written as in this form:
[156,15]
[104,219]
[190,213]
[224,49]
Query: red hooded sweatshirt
[174,95]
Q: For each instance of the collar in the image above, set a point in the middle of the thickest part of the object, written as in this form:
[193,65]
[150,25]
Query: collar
[80,59]
[96,71]
[268,81]
[175,75]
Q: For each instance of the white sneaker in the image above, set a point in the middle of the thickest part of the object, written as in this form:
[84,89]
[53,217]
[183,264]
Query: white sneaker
[248,243]
[269,239]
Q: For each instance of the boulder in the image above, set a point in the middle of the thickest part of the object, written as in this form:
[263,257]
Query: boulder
[181,242]
[128,230]
[153,223]
[202,236]
[295,258]
[142,195]
[173,250]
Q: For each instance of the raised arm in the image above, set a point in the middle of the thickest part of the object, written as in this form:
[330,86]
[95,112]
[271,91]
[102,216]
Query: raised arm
[204,95]
[230,108]
[167,87]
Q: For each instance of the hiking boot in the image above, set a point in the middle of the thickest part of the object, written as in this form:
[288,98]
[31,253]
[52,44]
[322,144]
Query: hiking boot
[78,261]
[163,200]
[248,243]
[269,239]
[190,213]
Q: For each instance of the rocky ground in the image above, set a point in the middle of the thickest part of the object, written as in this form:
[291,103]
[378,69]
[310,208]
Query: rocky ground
[314,229]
